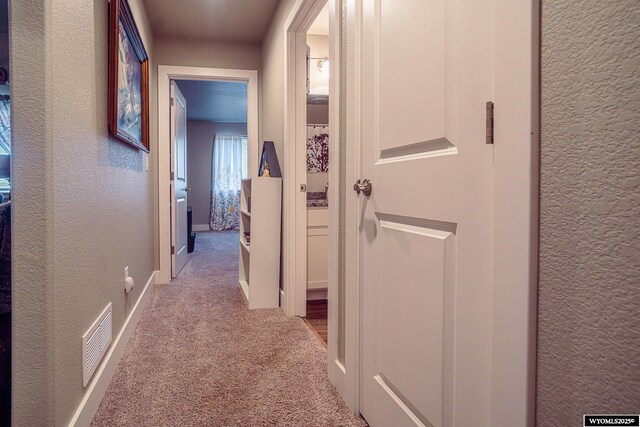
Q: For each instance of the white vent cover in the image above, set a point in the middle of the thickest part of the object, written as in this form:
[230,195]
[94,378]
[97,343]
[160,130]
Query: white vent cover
[95,343]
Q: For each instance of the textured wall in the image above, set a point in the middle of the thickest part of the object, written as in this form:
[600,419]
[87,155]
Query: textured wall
[84,206]
[32,211]
[200,136]
[273,80]
[200,53]
[589,292]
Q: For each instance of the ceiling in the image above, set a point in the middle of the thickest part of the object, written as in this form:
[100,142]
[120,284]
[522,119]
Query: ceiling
[215,20]
[215,101]
[321,25]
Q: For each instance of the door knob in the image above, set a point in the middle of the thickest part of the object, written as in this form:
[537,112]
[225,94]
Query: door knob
[363,187]
[187,189]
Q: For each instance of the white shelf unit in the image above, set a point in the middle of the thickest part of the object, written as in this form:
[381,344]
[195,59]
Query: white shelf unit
[260,215]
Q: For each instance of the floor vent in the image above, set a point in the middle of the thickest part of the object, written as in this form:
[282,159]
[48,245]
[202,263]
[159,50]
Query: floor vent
[95,343]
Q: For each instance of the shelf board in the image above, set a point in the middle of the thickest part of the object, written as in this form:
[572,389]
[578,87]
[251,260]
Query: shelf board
[246,213]
[245,246]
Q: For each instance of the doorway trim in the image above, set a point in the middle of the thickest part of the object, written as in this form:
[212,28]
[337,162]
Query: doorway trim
[166,73]
[293,300]
[294,283]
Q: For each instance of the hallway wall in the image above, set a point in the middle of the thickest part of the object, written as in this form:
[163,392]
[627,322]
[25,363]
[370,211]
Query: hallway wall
[83,207]
[201,53]
[200,136]
[273,80]
[588,340]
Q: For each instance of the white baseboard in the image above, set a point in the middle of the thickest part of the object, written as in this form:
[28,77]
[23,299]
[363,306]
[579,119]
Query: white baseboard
[317,284]
[98,385]
[201,227]
[317,294]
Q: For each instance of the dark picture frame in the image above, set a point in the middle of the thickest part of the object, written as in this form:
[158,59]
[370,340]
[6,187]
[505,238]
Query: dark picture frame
[128,78]
[269,161]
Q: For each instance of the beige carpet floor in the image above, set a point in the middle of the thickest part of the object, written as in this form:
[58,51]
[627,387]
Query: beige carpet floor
[199,357]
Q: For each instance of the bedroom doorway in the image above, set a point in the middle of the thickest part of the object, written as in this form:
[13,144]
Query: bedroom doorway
[210,159]
[221,127]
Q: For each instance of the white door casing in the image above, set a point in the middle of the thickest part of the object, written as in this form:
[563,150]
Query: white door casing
[166,73]
[179,187]
[427,232]
[294,292]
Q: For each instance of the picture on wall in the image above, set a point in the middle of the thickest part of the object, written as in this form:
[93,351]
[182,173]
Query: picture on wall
[269,165]
[128,78]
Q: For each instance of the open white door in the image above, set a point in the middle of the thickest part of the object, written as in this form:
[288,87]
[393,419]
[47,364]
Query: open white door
[179,187]
[426,231]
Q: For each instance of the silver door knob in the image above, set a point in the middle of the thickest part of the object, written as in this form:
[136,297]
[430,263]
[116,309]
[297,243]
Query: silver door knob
[363,187]
[187,189]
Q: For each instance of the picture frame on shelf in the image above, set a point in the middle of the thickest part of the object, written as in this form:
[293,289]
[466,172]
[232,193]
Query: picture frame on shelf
[269,165]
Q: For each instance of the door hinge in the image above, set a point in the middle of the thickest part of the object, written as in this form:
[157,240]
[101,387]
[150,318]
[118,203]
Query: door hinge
[172,176]
[172,101]
[489,122]
[173,250]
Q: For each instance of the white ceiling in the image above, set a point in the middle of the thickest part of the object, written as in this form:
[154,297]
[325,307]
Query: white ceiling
[216,20]
[321,25]
[215,101]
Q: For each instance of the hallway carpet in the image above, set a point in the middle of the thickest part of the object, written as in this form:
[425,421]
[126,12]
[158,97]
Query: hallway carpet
[199,357]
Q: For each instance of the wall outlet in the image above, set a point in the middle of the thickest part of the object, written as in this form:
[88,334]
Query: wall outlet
[128,281]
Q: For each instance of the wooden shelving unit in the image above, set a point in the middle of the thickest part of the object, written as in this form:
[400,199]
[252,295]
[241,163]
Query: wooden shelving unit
[260,216]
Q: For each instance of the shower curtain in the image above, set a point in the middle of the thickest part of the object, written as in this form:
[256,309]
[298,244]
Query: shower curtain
[317,148]
[226,177]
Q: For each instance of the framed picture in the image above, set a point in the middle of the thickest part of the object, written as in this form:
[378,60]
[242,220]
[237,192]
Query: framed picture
[269,165]
[128,78]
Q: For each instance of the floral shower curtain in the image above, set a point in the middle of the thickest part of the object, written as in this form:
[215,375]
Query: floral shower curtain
[5,125]
[226,177]
[317,148]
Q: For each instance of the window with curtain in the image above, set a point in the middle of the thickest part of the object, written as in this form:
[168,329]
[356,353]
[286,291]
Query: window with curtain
[229,166]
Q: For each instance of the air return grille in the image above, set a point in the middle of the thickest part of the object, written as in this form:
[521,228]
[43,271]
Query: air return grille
[95,343]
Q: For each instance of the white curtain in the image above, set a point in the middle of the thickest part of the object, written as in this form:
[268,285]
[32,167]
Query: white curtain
[226,176]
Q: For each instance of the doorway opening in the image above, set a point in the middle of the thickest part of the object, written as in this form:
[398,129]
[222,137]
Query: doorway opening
[205,150]
[5,220]
[316,146]
[215,158]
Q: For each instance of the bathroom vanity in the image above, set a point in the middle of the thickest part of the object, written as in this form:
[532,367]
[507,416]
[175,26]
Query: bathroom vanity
[317,245]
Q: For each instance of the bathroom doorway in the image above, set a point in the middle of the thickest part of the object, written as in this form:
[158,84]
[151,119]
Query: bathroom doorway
[317,174]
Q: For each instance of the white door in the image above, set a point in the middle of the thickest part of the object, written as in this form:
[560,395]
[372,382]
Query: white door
[179,234]
[426,229]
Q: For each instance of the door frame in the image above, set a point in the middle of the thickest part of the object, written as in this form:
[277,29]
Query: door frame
[516,211]
[293,296]
[166,73]
[294,280]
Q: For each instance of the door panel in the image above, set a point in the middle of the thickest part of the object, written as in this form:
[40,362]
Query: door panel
[179,232]
[417,301]
[426,230]
[414,54]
